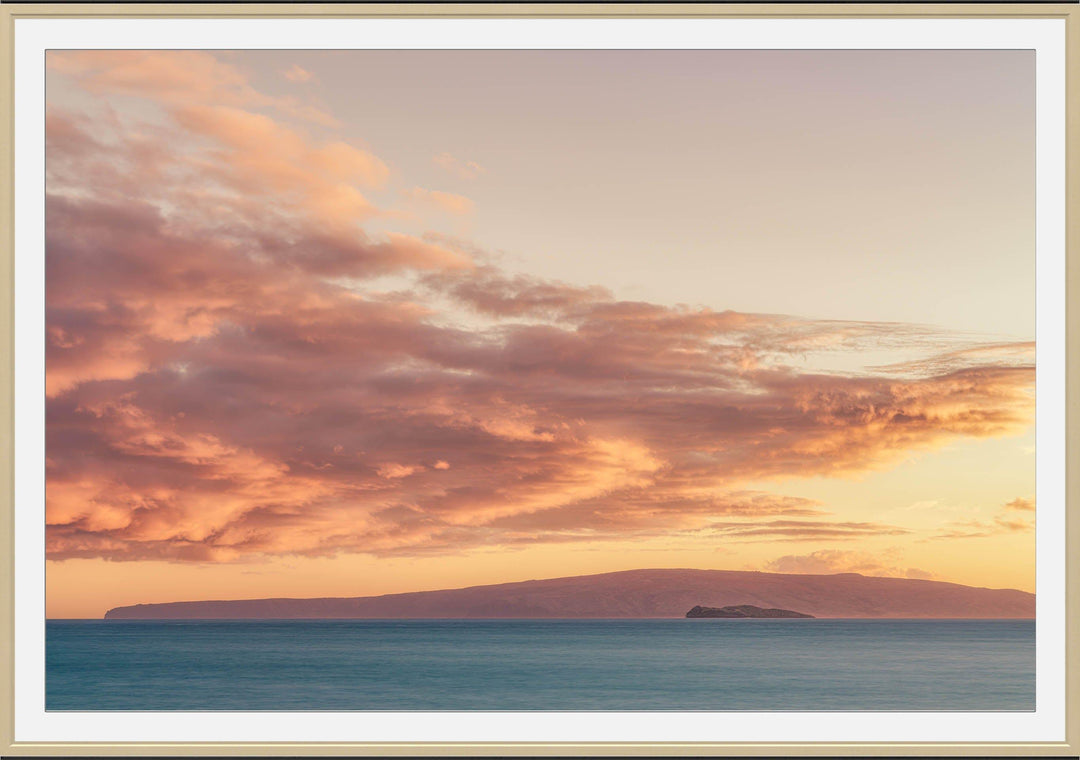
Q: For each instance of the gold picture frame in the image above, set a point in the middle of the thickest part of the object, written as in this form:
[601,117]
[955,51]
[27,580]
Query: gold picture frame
[12,14]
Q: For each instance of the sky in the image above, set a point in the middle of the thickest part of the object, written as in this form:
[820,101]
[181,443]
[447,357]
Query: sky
[340,323]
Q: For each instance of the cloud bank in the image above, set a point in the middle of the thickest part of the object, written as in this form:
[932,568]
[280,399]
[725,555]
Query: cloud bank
[226,380]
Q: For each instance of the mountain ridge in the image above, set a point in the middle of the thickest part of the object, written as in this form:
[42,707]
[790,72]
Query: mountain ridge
[642,593]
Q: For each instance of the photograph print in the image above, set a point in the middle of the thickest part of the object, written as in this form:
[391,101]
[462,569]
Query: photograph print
[563,380]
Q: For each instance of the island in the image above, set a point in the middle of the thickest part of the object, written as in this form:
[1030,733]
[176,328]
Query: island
[644,593]
[742,611]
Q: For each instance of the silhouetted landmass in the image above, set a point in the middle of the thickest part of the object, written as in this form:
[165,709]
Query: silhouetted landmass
[742,611]
[664,593]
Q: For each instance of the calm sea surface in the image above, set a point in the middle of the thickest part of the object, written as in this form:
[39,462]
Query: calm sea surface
[541,665]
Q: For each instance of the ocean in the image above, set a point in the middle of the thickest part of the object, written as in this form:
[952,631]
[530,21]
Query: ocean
[338,665]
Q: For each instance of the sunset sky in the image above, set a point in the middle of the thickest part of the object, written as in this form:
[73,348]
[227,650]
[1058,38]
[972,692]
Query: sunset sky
[339,323]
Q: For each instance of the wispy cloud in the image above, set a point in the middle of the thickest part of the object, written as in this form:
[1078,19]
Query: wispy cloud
[1021,505]
[449,203]
[459,168]
[1002,522]
[829,561]
[296,73]
[805,530]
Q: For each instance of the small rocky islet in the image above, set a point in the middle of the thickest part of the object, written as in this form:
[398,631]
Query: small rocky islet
[742,611]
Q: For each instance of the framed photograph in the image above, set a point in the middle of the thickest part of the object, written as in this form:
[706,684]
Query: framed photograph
[565,380]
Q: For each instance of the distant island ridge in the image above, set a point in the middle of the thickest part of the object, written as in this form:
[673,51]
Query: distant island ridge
[648,593]
[742,611]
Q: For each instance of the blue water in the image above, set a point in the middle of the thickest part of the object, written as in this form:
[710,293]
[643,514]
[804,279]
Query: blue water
[541,665]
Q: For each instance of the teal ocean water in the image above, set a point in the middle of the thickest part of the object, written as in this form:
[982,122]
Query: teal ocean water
[336,665]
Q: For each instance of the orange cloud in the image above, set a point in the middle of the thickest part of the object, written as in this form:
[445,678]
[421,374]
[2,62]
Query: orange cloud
[173,77]
[805,530]
[257,157]
[392,470]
